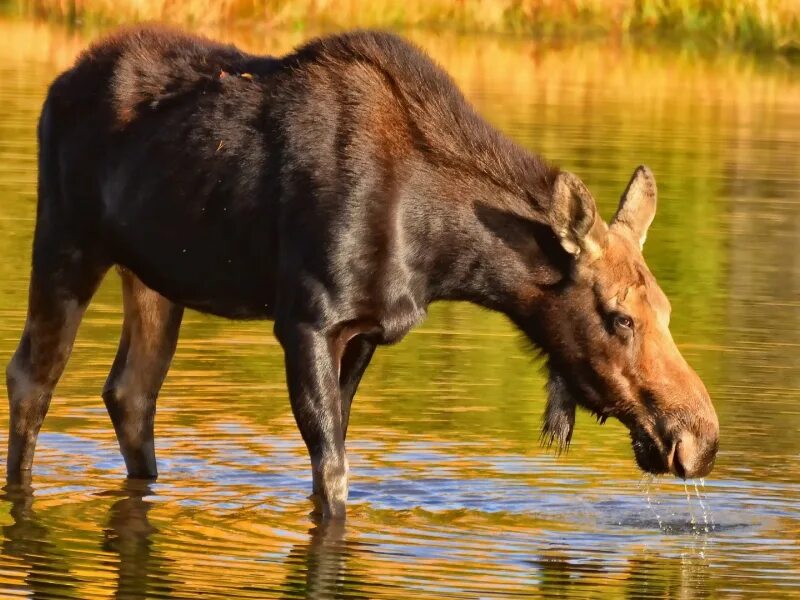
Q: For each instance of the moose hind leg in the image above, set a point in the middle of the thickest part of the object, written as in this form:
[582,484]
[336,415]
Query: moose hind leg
[147,344]
[60,290]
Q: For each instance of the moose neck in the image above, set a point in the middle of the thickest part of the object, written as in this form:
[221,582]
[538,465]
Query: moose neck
[492,245]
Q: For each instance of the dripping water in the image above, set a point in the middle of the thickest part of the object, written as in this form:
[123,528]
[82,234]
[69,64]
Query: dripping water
[693,520]
[645,483]
[701,522]
[708,517]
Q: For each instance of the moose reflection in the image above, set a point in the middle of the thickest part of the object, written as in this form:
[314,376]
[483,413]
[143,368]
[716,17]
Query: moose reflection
[338,191]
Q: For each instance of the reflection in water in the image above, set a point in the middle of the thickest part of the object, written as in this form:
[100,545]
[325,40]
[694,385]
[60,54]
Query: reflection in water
[451,496]
[142,571]
[317,568]
[675,577]
[561,573]
[31,542]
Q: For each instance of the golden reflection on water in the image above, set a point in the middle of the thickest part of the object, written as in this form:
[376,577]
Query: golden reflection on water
[451,494]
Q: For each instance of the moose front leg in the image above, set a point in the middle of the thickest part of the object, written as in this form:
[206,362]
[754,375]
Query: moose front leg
[311,375]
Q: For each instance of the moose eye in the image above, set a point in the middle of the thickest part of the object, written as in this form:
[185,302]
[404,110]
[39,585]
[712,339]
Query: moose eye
[623,323]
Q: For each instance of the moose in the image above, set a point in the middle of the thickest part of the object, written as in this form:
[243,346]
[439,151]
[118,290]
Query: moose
[337,191]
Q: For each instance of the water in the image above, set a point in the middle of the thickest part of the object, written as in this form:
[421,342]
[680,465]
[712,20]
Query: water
[451,495]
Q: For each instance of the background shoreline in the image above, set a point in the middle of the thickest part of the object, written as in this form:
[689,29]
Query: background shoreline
[760,26]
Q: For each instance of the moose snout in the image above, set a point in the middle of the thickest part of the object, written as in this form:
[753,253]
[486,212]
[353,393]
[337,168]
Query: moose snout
[692,456]
[690,431]
[693,450]
[687,452]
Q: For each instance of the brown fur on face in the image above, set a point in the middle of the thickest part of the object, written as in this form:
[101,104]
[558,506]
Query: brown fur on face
[610,349]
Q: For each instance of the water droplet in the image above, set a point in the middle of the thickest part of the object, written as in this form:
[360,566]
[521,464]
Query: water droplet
[645,483]
[704,507]
[691,510]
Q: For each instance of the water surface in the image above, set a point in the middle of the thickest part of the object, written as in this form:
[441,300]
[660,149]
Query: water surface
[451,495]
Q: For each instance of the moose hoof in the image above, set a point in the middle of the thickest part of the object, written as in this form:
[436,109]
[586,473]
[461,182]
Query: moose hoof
[325,510]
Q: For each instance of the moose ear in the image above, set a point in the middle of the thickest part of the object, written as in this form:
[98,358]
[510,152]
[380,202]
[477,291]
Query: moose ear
[637,207]
[574,217]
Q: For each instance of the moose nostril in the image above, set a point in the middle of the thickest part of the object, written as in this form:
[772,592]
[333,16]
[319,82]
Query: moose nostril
[678,467]
[692,457]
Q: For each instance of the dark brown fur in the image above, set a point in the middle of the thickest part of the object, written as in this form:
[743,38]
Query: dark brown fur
[338,191]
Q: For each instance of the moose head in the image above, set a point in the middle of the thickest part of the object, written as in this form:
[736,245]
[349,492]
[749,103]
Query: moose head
[605,330]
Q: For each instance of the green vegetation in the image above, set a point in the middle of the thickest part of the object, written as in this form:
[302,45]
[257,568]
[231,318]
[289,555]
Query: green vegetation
[756,25]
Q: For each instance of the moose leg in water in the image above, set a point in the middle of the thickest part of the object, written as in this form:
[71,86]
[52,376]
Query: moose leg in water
[147,344]
[62,283]
[316,404]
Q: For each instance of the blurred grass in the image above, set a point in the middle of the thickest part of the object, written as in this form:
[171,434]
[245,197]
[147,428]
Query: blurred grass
[757,25]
